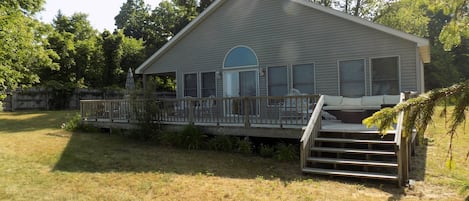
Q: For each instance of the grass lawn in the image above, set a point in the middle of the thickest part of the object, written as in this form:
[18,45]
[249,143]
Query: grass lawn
[39,161]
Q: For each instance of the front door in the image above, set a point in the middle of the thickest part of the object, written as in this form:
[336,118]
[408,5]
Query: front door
[241,84]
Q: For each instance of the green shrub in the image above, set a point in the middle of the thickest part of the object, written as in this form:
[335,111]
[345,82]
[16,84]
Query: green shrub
[192,138]
[222,143]
[75,124]
[285,152]
[266,150]
[244,146]
[169,139]
[148,121]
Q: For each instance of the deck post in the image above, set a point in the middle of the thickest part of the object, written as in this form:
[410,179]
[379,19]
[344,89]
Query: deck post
[246,102]
[110,110]
[191,111]
[404,149]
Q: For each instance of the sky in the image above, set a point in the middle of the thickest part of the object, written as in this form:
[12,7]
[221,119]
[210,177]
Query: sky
[101,13]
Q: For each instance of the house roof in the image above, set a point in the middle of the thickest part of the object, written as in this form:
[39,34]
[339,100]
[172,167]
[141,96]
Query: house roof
[422,43]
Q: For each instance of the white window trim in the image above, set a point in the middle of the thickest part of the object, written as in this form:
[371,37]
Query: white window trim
[184,83]
[240,67]
[200,82]
[338,73]
[398,71]
[314,77]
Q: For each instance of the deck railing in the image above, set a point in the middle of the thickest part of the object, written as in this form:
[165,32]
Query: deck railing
[311,132]
[282,111]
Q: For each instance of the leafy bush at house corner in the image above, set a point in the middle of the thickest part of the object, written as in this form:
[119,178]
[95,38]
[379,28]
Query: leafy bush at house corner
[148,120]
[285,152]
[75,124]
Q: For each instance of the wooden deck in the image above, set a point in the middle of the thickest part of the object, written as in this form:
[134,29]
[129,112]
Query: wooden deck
[277,117]
[326,147]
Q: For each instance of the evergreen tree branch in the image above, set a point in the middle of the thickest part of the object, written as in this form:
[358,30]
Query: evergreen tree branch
[420,110]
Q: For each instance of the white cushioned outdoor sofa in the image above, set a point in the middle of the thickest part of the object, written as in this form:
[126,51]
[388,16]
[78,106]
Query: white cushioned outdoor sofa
[362,103]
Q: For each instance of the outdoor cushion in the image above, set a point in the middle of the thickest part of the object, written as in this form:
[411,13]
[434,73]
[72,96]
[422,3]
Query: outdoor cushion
[351,101]
[332,100]
[391,99]
[372,100]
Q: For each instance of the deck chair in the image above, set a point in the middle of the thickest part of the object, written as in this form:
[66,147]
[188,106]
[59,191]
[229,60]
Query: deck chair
[206,106]
[295,106]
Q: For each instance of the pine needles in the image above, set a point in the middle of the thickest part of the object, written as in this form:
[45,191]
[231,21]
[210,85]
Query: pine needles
[420,110]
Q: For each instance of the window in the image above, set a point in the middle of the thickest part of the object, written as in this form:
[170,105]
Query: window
[385,76]
[240,56]
[190,85]
[208,84]
[352,78]
[277,81]
[303,78]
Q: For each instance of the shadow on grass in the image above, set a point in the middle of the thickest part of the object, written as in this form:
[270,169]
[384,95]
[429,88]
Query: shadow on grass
[87,152]
[14,122]
[419,161]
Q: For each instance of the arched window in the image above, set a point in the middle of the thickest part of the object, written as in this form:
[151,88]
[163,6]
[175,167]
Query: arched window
[240,56]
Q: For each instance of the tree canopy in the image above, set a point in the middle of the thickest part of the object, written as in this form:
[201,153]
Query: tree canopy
[71,52]
[23,49]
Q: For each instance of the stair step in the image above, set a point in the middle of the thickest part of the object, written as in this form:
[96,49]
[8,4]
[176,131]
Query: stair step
[344,140]
[355,131]
[371,175]
[352,162]
[353,151]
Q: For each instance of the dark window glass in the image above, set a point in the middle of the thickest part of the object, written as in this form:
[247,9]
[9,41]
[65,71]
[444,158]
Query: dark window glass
[190,85]
[385,76]
[352,78]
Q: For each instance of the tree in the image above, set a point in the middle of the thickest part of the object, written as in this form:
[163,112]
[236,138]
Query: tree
[204,4]
[132,18]
[120,53]
[112,51]
[22,51]
[453,33]
[75,42]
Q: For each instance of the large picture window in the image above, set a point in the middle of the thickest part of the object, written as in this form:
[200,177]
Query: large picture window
[190,85]
[352,78]
[277,81]
[303,78]
[208,84]
[385,76]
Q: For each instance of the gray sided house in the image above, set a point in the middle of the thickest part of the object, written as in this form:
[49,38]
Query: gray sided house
[269,47]
[254,67]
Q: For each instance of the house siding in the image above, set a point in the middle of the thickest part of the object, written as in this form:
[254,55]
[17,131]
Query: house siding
[282,32]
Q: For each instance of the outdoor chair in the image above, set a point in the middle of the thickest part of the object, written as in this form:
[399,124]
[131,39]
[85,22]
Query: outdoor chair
[295,106]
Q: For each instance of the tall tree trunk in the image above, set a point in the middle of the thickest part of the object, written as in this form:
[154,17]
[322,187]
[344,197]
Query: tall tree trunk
[357,8]
[346,6]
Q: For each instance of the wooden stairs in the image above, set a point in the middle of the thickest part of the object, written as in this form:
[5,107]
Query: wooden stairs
[363,154]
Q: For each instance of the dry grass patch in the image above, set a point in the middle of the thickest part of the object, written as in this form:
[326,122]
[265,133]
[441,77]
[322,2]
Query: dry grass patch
[39,161]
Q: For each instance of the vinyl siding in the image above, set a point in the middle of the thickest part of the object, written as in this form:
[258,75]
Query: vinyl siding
[282,32]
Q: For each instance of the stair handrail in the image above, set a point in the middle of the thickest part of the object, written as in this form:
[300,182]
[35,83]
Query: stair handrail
[310,132]
[400,122]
